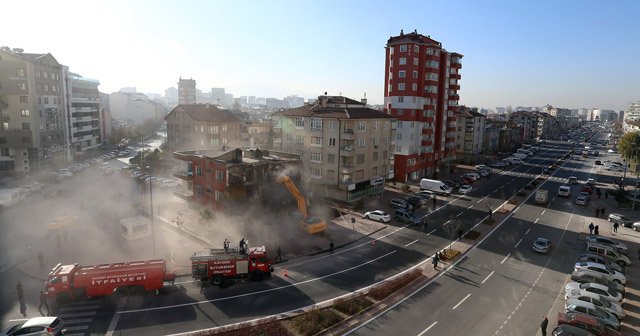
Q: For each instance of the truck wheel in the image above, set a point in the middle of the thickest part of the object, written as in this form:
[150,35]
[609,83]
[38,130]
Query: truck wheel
[256,276]
[63,298]
[217,280]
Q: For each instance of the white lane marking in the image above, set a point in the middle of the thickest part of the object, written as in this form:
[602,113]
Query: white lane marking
[480,200]
[410,243]
[429,327]
[543,211]
[518,243]
[488,276]
[460,214]
[529,229]
[461,301]
[537,219]
[471,206]
[505,258]
[257,292]
[116,317]
[432,231]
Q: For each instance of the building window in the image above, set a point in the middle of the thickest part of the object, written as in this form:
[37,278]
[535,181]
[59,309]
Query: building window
[360,159]
[331,158]
[400,86]
[213,129]
[375,156]
[225,128]
[429,51]
[332,142]
[416,48]
[316,141]
[38,74]
[403,48]
[414,87]
[415,74]
[316,172]
[402,74]
[46,87]
[5,127]
[46,75]
[402,60]
[26,126]
[22,86]
[199,170]
[376,125]
[362,142]
[299,139]
[316,124]
[199,190]
[20,72]
[332,125]
[219,175]
[415,61]
[24,112]
[362,125]
[214,142]
[218,196]
[316,157]
[24,99]
[299,122]
[398,136]
[400,99]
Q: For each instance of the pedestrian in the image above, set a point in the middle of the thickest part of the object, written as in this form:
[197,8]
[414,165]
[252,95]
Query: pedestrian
[435,261]
[331,247]
[434,202]
[279,254]
[41,259]
[591,228]
[440,255]
[595,230]
[23,307]
[460,234]
[20,290]
[225,244]
[615,227]
[43,301]
[424,222]
[543,326]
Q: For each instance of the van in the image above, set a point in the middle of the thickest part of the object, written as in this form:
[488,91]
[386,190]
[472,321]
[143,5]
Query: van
[620,219]
[436,186]
[572,180]
[608,252]
[564,191]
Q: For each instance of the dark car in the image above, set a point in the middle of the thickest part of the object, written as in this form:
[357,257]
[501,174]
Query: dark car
[568,330]
[397,203]
[408,217]
[415,201]
[598,162]
[452,184]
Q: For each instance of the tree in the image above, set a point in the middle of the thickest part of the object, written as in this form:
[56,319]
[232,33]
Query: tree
[206,216]
[629,145]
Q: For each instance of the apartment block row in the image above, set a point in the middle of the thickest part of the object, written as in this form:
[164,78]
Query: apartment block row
[48,115]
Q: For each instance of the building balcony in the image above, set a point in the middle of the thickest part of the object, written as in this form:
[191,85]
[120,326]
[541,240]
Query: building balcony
[454,87]
[456,76]
[347,169]
[186,195]
[454,96]
[456,65]
[347,134]
[432,95]
[186,175]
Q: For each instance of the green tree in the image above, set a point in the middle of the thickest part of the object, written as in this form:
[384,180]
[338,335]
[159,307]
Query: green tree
[629,146]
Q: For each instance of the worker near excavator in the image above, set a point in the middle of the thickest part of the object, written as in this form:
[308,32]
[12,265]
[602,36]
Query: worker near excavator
[243,246]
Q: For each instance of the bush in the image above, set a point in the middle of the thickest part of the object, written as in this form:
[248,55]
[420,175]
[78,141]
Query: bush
[472,234]
[314,321]
[450,254]
[386,288]
[274,328]
[352,306]
[406,188]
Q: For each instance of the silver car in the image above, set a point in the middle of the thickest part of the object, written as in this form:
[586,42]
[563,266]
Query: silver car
[41,326]
[541,245]
[606,318]
[378,215]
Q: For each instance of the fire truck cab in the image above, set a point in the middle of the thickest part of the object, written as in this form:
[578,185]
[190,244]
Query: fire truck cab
[216,265]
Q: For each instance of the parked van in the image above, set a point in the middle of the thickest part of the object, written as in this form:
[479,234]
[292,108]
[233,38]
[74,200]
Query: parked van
[564,191]
[436,186]
[608,252]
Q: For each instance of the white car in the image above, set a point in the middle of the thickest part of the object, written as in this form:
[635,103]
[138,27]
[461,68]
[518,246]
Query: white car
[576,289]
[40,326]
[378,215]
[464,189]
[597,301]
[581,200]
[612,274]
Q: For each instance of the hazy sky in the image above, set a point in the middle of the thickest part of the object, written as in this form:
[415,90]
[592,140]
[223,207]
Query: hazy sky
[569,53]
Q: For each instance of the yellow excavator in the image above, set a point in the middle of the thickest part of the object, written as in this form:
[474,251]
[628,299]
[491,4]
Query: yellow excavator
[309,223]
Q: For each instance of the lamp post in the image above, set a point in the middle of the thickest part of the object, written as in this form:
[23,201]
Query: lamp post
[153,234]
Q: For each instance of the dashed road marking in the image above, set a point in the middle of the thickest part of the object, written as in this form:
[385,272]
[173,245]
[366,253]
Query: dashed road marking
[488,276]
[461,301]
[543,211]
[460,214]
[429,327]
[529,229]
[518,243]
[505,258]
[410,243]
[480,200]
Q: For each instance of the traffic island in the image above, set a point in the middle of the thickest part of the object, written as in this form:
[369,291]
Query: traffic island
[450,254]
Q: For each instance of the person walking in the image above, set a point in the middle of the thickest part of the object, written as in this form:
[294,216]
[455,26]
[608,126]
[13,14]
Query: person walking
[435,261]
[543,326]
[279,254]
[20,290]
[615,227]
[43,301]
[41,259]
[595,230]
[331,247]
[591,228]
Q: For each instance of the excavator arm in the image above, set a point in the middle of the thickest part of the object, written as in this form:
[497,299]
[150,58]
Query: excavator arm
[302,203]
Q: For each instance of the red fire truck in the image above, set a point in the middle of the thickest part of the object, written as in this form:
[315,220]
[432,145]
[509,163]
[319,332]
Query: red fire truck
[216,265]
[70,282]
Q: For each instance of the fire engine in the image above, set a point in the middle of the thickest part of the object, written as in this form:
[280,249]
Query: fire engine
[71,282]
[216,265]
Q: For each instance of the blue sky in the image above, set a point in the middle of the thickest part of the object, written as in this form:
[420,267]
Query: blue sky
[564,53]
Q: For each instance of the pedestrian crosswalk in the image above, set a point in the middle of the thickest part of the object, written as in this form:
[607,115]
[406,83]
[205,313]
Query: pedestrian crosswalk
[77,316]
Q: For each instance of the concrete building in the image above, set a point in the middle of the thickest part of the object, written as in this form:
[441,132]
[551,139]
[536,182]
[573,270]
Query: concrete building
[32,117]
[528,122]
[347,148]
[171,95]
[187,91]
[470,138]
[556,111]
[217,96]
[421,91]
[221,179]
[105,118]
[135,108]
[82,107]
[255,135]
[293,101]
[202,127]
[603,115]
[491,138]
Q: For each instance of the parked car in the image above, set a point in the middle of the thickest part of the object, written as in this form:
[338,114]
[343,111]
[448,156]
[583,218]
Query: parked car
[378,215]
[465,189]
[621,247]
[607,293]
[498,164]
[586,276]
[415,201]
[586,322]
[620,219]
[407,217]
[581,200]
[541,245]
[453,184]
[472,176]
[601,260]
[567,330]
[397,203]
[609,252]
[590,309]
[425,194]
[606,305]
[41,326]
[636,226]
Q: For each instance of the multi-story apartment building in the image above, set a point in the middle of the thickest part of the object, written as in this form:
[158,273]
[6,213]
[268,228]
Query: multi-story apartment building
[631,115]
[491,139]
[135,108]
[202,127]
[82,113]
[471,127]
[187,91]
[347,148]
[255,135]
[547,125]
[32,118]
[421,91]
[105,117]
[528,121]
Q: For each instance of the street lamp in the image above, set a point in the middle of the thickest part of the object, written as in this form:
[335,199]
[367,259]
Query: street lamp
[153,234]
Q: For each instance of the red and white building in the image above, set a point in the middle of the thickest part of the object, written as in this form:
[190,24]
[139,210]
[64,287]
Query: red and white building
[421,92]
